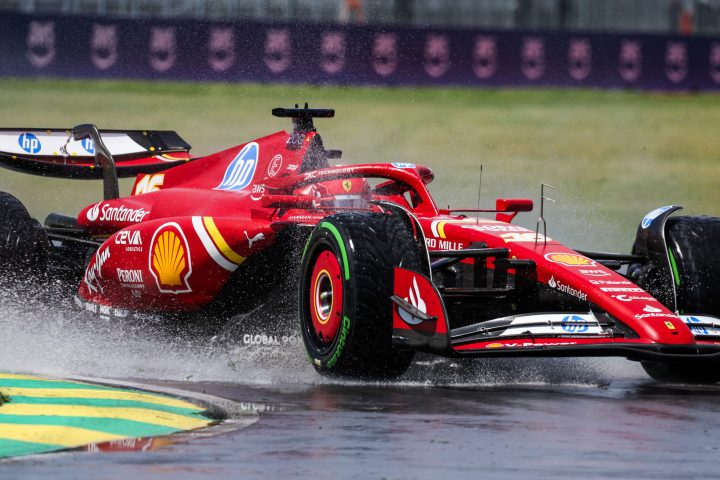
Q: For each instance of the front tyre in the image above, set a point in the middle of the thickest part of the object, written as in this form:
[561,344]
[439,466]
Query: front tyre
[345,287]
[695,275]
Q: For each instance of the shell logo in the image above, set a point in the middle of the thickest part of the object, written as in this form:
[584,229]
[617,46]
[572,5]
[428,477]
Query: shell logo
[494,345]
[570,259]
[169,259]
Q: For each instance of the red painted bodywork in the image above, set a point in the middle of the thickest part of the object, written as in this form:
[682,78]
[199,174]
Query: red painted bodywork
[163,254]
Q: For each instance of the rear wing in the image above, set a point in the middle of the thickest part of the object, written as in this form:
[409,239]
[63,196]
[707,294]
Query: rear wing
[55,153]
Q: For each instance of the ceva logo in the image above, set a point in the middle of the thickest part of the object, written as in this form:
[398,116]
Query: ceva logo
[239,173]
[29,143]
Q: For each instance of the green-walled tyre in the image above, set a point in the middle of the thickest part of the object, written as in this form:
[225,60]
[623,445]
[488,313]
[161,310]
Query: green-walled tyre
[346,282]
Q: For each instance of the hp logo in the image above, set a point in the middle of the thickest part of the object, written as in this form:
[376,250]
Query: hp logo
[29,143]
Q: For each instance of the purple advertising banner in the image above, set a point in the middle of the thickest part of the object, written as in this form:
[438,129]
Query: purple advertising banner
[94,47]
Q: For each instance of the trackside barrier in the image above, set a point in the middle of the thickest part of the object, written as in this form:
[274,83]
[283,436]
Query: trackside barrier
[248,51]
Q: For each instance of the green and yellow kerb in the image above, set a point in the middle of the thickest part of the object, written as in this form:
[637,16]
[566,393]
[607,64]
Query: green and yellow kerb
[40,415]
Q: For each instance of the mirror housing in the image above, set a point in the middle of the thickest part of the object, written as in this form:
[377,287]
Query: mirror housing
[513,206]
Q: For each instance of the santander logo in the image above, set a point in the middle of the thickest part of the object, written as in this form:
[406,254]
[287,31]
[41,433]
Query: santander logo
[651,309]
[93,213]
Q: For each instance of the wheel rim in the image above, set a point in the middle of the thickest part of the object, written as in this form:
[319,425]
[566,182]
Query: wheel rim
[326,298]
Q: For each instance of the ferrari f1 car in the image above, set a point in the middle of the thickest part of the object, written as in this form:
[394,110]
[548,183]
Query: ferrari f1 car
[376,270]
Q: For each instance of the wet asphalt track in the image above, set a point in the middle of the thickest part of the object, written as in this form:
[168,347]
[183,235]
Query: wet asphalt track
[503,418]
[560,427]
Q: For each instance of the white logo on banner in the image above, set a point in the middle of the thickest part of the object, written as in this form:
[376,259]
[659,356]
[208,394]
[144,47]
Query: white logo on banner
[41,43]
[278,50]
[104,46]
[221,48]
[163,47]
[437,55]
[385,54]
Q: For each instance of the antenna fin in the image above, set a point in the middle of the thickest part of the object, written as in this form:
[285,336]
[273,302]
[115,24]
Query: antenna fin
[541,220]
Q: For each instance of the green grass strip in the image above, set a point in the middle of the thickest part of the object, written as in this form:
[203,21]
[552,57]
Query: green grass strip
[116,426]
[13,448]
[332,229]
[104,402]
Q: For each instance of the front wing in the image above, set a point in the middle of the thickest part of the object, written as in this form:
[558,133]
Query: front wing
[420,321]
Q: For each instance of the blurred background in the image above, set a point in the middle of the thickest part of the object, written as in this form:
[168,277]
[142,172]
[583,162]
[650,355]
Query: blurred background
[614,102]
[685,16]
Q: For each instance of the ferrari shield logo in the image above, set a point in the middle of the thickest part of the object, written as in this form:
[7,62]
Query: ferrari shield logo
[347,185]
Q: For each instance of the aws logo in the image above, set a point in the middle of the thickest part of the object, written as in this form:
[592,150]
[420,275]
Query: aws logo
[241,170]
[169,260]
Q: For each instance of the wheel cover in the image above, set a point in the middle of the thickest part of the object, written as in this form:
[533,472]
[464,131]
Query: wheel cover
[326,297]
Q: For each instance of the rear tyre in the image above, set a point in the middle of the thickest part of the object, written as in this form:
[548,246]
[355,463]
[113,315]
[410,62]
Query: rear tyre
[345,288]
[679,372]
[23,242]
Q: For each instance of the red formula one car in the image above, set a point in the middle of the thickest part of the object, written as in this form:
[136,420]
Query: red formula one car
[374,269]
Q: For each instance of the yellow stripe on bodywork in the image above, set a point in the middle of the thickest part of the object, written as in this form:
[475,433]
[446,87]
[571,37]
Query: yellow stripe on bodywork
[154,417]
[53,434]
[95,393]
[441,229]
[220,242]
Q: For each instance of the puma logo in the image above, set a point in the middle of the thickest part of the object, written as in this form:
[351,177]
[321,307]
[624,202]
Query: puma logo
[256,238]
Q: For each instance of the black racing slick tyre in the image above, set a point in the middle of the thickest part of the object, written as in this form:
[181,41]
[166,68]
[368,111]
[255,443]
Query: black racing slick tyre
[346,282]
[23,242]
